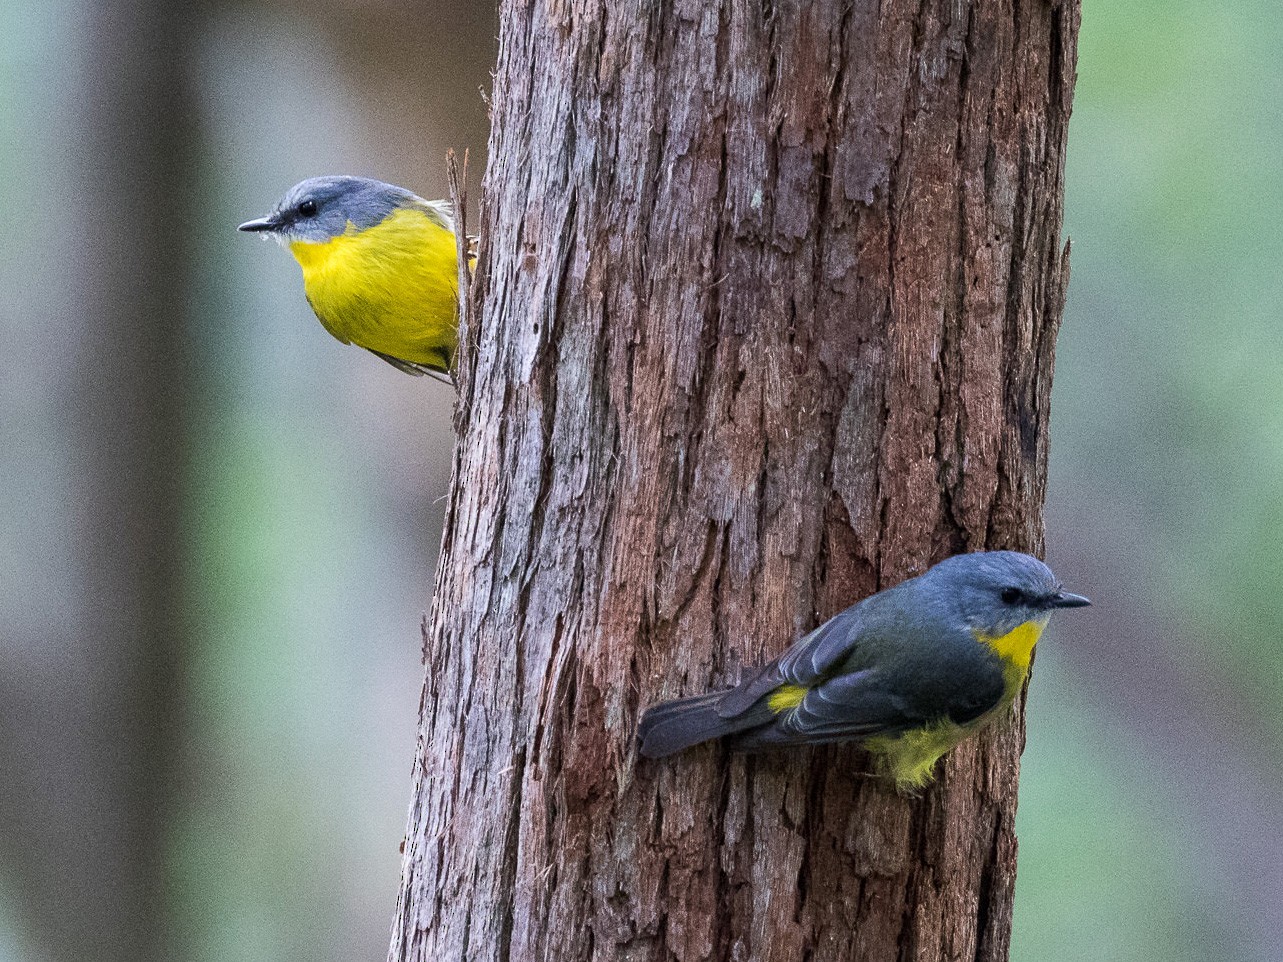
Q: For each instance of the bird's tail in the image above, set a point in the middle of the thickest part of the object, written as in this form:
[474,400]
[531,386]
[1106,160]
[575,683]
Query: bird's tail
[671,726]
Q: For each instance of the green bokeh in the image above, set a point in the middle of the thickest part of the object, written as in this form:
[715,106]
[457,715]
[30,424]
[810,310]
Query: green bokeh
[1149,812]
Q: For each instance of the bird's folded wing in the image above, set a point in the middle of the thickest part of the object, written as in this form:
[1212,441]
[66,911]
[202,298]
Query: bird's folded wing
[412,367]
[845,706]
[747,693]
[816,656]
[813,657]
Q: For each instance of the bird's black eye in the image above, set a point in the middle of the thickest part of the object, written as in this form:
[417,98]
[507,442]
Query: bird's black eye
[307,208]
[1011,596]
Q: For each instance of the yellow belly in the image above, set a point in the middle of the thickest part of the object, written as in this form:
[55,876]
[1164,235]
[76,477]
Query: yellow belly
[910,758]
[392,288]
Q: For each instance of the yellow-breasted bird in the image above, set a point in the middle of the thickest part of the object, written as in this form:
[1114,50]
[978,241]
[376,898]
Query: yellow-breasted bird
[908,672]
[380,267]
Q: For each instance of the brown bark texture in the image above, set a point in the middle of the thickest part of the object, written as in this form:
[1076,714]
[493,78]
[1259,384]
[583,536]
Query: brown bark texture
[767,305]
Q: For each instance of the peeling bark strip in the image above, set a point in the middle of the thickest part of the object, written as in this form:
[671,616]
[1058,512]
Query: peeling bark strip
[768,303]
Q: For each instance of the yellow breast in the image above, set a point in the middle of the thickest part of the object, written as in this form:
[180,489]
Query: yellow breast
[391,288]
[1016,647]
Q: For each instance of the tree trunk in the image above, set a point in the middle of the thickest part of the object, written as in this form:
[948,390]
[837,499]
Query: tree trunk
[767,303]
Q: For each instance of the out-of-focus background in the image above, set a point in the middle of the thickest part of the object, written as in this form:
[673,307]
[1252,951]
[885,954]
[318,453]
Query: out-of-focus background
[218,525]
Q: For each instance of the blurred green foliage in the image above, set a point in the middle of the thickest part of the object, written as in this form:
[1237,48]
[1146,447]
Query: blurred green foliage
[1150,818]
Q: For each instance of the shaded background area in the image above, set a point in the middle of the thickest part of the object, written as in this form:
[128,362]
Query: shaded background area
[219,525]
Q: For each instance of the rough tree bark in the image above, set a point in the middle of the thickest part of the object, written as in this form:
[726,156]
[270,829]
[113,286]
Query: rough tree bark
[768,302]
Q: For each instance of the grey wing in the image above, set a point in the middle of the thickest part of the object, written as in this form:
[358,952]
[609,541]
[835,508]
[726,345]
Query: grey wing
[868,702]
[847,706]
[810,659]
[410,367]
[850,706]
[819,653]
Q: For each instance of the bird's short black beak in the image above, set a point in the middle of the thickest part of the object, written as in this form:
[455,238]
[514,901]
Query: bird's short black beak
[1063,599]
[262,224]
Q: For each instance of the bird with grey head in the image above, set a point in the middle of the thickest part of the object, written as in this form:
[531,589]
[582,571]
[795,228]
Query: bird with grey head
[380,266]
[908,672]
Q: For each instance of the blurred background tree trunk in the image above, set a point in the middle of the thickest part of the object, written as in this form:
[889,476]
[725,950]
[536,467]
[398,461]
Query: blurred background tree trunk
[768,303]
[98,672]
